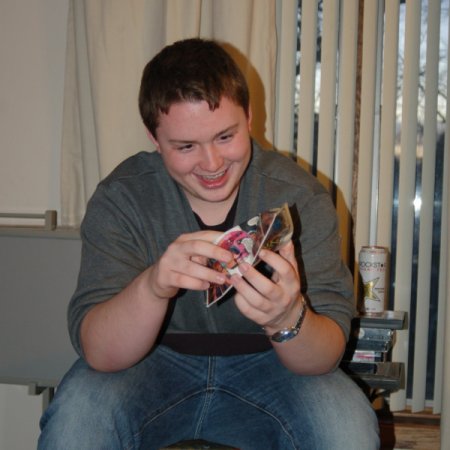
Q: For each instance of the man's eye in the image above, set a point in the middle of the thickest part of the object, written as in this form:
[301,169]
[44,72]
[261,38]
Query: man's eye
[185,148]
[225,137]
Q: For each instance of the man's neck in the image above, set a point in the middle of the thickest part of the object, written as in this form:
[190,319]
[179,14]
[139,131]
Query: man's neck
[213,213]
[220,220]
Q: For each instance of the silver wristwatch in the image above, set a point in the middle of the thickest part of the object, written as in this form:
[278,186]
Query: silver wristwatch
[286,334]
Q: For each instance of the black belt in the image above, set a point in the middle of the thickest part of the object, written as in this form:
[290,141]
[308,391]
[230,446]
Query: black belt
[220,344]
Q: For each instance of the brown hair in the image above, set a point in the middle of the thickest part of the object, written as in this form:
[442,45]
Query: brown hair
[190,70]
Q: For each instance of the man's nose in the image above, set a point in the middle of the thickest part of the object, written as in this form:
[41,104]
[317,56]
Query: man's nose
[212,160]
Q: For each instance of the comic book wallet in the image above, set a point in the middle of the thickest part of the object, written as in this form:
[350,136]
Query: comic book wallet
[270,229]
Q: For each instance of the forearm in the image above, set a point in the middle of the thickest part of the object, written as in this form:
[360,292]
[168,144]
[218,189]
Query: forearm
[119,332]
[316,349]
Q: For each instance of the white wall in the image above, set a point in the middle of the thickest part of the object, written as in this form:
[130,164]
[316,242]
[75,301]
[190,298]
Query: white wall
[32,55]
[32,49]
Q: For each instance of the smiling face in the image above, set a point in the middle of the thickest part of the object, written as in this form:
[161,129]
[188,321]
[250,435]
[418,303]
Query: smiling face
[206,152]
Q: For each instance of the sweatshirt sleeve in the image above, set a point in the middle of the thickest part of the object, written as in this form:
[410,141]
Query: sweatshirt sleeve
[326,280]
[113,254]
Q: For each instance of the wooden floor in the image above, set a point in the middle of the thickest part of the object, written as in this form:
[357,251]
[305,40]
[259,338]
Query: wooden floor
[402,431]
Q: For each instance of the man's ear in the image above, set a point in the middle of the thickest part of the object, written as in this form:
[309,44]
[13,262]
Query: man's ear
[153,139]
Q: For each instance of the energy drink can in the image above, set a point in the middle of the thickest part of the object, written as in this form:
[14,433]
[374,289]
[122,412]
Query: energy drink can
[372,267]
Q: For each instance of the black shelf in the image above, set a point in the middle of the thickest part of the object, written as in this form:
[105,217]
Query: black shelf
[392,320]
[376,375]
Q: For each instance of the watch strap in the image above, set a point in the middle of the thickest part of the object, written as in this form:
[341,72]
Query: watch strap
[286,334]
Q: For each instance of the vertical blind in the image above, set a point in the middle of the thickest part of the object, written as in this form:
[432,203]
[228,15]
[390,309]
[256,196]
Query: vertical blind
[371,113]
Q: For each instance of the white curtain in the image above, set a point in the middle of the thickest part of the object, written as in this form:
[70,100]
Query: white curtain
[108,44]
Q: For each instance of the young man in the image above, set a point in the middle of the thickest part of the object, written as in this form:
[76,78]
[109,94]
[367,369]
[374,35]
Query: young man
[255,371]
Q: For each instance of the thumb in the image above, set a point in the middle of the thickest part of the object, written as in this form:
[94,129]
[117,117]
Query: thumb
[287,251]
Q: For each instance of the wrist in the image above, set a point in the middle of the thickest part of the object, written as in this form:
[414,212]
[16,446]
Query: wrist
[153,288]
[287,333]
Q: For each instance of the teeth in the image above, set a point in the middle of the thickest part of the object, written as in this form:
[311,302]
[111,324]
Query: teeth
[213,177]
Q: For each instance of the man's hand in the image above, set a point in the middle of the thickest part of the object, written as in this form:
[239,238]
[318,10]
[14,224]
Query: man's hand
[183,265]
[272,303]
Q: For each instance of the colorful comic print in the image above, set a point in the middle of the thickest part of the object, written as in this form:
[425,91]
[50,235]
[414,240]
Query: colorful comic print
[270,229]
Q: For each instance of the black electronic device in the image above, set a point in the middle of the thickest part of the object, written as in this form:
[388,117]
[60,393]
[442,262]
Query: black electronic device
[367,355]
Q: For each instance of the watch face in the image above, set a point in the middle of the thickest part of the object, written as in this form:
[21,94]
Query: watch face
[285,335]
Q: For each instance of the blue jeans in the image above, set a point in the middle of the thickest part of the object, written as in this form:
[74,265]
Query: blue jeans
[249,401]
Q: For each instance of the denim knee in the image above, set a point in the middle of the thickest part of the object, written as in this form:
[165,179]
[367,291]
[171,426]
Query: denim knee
[86,413]
[348,420]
